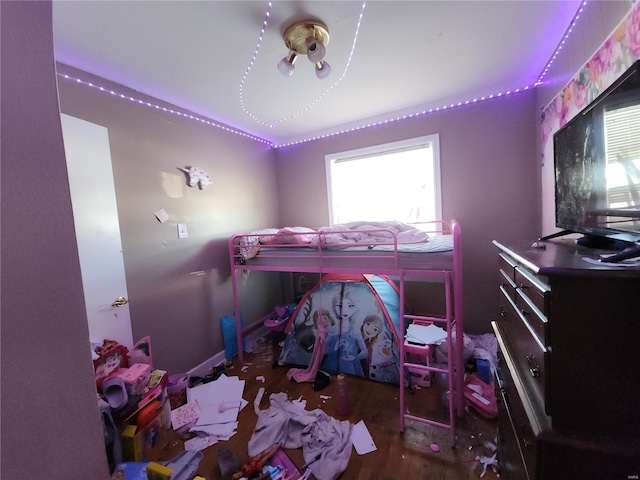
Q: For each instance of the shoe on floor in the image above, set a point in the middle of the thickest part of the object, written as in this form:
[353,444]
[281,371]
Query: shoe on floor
[114,392]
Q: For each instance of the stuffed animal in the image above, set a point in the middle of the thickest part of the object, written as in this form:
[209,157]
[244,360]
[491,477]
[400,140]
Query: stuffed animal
[197,177]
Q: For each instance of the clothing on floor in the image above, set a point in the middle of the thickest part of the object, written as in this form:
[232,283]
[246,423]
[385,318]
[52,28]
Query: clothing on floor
[111,435]
[309,375]
[315,431]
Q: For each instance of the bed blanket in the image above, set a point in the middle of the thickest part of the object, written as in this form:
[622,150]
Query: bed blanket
[337,236]
[360,233]
[315,431]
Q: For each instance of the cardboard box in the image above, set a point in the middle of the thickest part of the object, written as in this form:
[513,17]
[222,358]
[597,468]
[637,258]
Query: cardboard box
[145,444]
[131,471]
[157,387]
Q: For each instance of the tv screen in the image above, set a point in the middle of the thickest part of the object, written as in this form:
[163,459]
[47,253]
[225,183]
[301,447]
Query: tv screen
[597,166]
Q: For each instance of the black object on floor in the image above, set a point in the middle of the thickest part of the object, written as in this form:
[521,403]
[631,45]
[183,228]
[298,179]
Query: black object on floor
[228,462]
[321,381]
[195,380]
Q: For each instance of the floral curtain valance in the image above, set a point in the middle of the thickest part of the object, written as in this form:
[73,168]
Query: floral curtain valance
[617,54]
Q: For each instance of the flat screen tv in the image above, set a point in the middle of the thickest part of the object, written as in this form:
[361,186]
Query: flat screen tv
[597,168]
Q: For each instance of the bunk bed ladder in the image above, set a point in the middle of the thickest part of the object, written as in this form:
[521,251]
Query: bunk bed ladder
[450,321]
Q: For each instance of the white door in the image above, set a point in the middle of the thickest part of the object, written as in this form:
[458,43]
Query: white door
[97,229]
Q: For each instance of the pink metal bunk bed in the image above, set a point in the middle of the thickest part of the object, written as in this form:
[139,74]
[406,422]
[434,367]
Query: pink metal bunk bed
[440,258]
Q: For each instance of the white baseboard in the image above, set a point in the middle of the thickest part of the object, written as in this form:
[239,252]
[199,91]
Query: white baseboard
[249,343]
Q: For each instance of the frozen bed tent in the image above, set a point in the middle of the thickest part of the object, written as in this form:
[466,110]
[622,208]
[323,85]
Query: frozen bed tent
[361,314]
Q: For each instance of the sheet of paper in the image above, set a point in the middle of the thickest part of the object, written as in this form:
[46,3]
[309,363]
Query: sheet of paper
[224,389]
[425,334]
[200,443]
[161,215]
[362,439]
[224,431]
[213,413]
[184,414]
[219,401]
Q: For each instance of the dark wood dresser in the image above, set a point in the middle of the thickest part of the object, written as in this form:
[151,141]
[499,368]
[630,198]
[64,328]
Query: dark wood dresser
[569,364]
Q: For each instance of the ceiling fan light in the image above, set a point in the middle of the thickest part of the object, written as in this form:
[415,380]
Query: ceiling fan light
[315,49]
[286,66]
[323,69]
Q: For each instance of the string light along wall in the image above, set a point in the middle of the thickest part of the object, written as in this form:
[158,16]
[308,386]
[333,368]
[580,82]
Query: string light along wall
[164,109]
[325,71]
[332,134]
[562,42]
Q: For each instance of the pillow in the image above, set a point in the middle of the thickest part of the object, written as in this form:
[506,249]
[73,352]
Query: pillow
[248,242]
[256,236]
[290,236]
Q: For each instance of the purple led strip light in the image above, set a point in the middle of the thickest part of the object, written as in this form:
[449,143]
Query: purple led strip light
[453,105]
[562,42]
[407,116]
[274,123]
[165,109]
[348,130]
[273,145]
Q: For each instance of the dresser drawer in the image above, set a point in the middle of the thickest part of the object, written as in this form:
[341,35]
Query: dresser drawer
[506,267]
[567,333]
[507,263]
[534,288]
[534,317]
[506,276]
[506,282]
[529,354]
[516,438]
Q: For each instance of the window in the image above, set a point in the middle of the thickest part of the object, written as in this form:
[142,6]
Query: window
[395,181]
[622,145]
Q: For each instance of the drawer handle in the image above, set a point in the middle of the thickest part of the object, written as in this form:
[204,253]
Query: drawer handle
[534,369]
[503,312]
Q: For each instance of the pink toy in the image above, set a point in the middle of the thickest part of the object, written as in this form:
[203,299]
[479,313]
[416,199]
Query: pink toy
[481,395]
[136,378]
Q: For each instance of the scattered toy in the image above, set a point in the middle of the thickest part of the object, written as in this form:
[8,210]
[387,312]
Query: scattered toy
[488,461]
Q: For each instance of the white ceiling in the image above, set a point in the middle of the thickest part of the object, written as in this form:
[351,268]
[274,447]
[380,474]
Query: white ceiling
[409,55]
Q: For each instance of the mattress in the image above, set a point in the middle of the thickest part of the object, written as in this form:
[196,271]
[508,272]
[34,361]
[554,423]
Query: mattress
[434,254]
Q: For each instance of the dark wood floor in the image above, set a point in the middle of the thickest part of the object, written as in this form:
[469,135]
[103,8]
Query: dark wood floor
[398,456]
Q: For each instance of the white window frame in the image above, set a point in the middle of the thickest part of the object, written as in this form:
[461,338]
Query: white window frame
[376,150]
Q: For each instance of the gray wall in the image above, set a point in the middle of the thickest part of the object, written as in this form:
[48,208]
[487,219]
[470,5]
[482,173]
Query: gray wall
[489,182]
[178,308]
[50,419]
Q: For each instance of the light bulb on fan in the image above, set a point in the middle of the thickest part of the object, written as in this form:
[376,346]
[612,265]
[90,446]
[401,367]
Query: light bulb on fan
[286,65]
[315,50]
[323,69]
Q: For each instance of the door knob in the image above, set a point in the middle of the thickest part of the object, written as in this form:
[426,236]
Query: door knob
[120,301]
